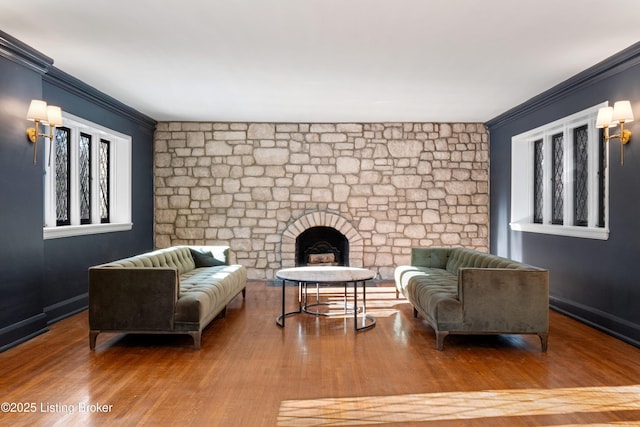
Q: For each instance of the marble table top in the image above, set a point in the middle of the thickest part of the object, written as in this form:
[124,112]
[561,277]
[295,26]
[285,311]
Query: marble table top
[326,274]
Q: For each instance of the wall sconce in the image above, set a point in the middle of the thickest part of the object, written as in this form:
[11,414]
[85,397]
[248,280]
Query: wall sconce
[48,115]
[620,113]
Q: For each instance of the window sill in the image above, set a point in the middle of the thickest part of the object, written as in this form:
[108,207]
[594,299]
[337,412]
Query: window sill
[82,230]
[562,230]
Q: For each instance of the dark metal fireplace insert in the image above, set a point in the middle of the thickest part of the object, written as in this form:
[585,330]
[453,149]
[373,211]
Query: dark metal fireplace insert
[322,245]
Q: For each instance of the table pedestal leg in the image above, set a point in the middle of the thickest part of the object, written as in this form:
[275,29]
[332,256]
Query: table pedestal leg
[365,316]
[280,319]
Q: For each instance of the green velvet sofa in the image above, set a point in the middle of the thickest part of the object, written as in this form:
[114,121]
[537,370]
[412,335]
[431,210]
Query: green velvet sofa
[177,290]
[462,291]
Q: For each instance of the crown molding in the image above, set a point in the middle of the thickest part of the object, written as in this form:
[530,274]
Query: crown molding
[72,85]
[20,53]
[611,66]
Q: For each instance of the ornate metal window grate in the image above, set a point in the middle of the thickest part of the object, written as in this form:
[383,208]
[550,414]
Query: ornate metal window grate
[581,175]
[105,177]
[63,172]
[538,181]
[84,168]
[557,183]
[602,182]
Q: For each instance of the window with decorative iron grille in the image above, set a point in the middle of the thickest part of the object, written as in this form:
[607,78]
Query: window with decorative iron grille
[557,179]
[567,195]
[84,171]
[538,181]
[63,173]
[602,178]
[104,180]
[87,180]
[581,175]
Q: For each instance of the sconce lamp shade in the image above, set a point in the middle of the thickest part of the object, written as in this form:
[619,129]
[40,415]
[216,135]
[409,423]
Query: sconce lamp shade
[37,111]
[54,115]
[40,113]
[622,112]
[611,117]
[605,115]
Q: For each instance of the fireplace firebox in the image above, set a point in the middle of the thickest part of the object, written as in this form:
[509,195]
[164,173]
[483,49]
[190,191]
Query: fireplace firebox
[322,245]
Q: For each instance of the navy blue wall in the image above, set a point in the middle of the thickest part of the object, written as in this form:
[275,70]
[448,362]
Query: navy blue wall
[593,280]
[21,201]
[42,281]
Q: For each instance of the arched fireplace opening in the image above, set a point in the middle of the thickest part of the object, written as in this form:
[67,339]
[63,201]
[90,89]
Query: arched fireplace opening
[322,246]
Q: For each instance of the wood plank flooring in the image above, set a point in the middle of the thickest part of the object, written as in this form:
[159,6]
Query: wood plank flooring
[318,372]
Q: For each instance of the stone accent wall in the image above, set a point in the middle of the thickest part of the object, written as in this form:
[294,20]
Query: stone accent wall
[252,186]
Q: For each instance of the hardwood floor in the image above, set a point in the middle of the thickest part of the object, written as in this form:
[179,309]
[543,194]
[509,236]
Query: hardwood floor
[318,372]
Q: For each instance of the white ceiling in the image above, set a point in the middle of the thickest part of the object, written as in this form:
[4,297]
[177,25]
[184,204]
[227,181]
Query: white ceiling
[323,60]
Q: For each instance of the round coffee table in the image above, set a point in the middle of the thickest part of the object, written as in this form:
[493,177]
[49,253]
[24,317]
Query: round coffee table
[327,275]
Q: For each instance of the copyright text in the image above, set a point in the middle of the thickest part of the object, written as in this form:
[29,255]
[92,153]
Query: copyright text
[55,407]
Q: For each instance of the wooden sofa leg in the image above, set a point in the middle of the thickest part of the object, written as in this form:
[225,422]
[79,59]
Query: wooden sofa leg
[415,313]
[222,314]
[244,293]
[93,336]
[440,336]
[197,338]
[544,338]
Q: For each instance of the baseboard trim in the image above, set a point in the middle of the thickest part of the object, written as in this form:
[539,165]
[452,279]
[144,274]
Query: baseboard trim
[66,308]
[22,331]
[620,328]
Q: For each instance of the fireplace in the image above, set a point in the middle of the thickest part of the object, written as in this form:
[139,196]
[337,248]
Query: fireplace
[322,246]
[352,252]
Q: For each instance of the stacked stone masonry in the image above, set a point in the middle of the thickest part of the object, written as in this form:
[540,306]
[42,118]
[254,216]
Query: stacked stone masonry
[387,186]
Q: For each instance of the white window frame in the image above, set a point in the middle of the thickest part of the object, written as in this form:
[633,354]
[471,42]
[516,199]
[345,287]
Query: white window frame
[119,186]
[522,178]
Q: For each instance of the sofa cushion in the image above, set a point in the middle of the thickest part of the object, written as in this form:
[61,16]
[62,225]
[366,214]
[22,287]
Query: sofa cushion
[206,290]
[433,289]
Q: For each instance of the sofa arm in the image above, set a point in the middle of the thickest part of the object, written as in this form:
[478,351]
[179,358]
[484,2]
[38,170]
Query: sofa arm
[132,298]
[505,300]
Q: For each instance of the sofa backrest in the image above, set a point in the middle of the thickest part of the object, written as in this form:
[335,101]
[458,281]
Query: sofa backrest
[178,257]
[461,257]
[430,257]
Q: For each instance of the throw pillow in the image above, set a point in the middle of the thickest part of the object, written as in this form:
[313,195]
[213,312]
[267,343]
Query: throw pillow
[204,259]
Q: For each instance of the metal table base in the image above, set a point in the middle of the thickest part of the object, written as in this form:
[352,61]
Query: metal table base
[304,305]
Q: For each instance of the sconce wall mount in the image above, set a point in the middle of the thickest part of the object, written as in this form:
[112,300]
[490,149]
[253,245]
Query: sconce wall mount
[39,112]
[610,117]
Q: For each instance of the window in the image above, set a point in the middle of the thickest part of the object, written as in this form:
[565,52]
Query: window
[581,176]
[63,172]
[559,178]
[84,164]
[538,181]
[104,180]
[87,180]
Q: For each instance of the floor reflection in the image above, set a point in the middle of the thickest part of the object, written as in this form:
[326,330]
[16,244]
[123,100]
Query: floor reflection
[458,406]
